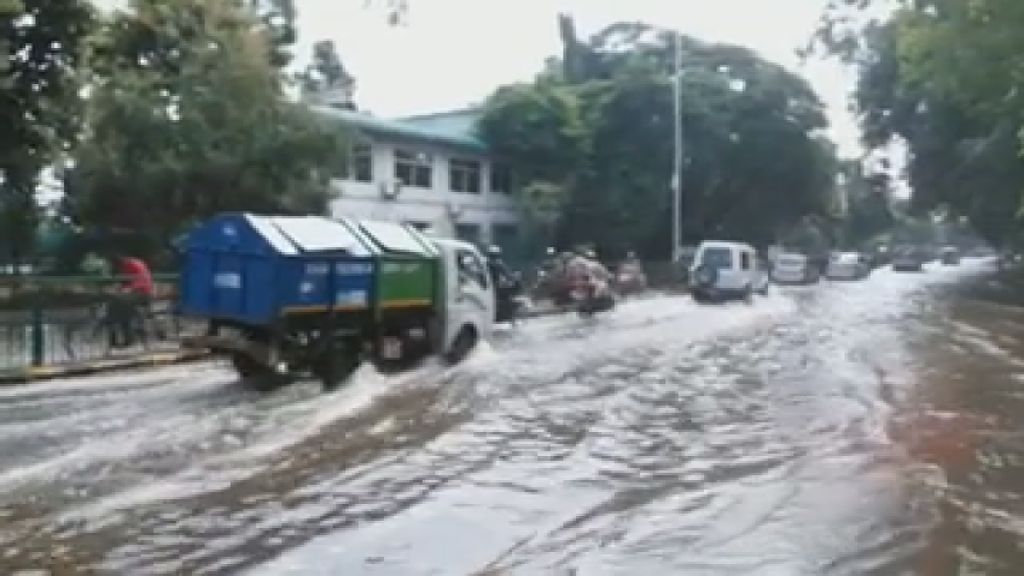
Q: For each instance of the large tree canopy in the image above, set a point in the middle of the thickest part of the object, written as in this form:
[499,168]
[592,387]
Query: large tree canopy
[40,44]
[186,118]
[598,124]
[943,77]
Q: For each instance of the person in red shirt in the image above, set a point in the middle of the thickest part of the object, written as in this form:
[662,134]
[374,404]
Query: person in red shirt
[132,308]
[138,279]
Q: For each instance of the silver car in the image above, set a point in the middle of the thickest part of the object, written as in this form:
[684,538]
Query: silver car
[790,268]
[848,266]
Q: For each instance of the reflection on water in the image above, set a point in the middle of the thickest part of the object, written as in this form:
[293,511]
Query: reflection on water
[965,417]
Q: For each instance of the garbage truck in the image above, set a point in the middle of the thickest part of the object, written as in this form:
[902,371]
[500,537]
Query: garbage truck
[291,296]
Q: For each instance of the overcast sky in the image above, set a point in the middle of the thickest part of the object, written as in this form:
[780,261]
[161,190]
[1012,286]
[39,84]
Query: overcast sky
[452,53]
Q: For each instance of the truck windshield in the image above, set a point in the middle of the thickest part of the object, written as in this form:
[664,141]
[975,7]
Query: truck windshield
[717,258]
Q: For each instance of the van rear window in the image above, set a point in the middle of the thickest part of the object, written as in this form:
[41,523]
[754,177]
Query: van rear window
[717,258]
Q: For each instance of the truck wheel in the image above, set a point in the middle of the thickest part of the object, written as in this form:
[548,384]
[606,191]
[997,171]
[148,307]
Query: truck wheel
[335,367]
[462,346]
[257,376]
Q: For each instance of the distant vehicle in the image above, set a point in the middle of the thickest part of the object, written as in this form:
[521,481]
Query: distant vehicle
[881,255]
[907,259]
[726,271]
[950,256]
[848,266]
[792,268]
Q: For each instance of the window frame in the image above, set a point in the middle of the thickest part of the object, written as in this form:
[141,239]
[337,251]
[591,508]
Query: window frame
[470,225]
[356,155]
[420,165]
[465,175]
[476,272]
[499,172]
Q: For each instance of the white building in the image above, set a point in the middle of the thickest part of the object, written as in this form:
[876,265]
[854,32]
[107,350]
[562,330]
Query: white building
[429,171]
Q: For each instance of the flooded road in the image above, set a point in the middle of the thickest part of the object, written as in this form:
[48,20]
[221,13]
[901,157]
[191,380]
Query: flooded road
[850,428]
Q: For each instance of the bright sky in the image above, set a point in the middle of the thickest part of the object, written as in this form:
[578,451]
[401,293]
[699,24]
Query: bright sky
[456,52]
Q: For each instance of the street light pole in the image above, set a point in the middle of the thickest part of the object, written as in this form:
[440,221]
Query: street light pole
[677,151]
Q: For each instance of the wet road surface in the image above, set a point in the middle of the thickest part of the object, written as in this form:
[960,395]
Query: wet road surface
[848,428]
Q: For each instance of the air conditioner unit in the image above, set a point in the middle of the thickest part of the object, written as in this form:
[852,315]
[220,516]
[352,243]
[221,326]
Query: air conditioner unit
[390,189]
[455,211]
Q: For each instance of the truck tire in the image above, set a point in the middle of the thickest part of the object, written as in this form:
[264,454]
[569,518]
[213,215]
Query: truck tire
[462,346]
[256,376]
[335,366]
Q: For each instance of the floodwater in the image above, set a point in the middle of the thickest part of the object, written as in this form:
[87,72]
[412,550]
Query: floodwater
[849,428]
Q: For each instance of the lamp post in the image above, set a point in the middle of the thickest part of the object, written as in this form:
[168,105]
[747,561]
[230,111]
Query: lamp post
[677,150]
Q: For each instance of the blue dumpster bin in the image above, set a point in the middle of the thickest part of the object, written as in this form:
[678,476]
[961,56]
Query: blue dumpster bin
[254,271]
[283,295]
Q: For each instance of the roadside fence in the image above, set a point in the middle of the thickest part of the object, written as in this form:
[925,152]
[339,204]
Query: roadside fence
[61,320]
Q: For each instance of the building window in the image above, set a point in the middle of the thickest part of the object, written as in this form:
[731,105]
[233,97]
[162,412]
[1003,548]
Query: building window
[501,179]
[506,236]
[464,175]
[413,168]
[468,233]
[360,164]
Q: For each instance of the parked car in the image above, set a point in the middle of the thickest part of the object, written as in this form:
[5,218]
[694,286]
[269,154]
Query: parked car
[792,268]
[907,259]
[848,266]
[726,270]
[950,256]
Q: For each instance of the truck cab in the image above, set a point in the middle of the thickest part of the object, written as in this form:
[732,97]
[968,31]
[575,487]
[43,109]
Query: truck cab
[467,314]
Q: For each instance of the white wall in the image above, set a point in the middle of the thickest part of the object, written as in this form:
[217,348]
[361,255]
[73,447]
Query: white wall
[437,206]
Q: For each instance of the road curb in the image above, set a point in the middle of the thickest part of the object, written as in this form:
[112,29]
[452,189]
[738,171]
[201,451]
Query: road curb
[150,360]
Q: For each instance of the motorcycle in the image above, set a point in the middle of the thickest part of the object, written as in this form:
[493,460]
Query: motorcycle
[590,299]
[552,285]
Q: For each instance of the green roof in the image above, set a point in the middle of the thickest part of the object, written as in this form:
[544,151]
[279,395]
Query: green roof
[455,129]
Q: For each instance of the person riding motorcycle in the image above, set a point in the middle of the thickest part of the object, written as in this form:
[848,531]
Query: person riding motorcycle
[590,281]
[507,286]
[630,275]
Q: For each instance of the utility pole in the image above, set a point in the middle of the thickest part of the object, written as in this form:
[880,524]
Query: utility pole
[677,171]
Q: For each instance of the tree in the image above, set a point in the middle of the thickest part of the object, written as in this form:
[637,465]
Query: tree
[187,119]
[278,23]
[941,76]
[867,213]
[326,74]
[602,126]
[40,44]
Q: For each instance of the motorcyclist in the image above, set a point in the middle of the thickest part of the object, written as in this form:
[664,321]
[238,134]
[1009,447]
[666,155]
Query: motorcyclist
[588,277]
[497,268]
[631,265]
[507,285]
[630,274]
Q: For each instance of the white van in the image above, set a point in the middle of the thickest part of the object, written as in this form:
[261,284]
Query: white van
[726,270]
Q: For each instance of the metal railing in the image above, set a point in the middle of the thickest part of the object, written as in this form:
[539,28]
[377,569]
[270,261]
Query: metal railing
[61,320]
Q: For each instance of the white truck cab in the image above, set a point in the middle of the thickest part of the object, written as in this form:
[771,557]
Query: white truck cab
[726,270]
[467,312]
